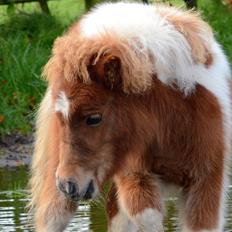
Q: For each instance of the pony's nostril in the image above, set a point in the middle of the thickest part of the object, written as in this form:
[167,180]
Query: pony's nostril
[90,190]
[61,186]
[71,188]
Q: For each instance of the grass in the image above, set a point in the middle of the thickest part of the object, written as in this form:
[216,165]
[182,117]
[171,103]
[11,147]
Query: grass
[23,52]
[220,18]
[26,37]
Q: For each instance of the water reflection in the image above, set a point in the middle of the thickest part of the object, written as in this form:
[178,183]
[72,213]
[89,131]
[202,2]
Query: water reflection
[89,218]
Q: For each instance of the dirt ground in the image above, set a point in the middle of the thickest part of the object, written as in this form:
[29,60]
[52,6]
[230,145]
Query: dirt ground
[16,150]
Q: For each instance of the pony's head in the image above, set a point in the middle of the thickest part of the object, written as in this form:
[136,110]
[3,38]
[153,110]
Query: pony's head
[95,114]
[88,129]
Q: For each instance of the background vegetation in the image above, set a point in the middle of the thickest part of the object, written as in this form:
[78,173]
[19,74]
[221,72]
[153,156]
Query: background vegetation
[26,37]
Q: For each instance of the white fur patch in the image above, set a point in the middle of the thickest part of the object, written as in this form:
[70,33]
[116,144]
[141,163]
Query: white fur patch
[62,104]
[143,25]
[121,223]
[149,220]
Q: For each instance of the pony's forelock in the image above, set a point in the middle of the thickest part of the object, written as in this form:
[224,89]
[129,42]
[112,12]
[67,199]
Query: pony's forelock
[71,59]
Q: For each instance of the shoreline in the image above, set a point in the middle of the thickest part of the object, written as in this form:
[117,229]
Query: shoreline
[16,150]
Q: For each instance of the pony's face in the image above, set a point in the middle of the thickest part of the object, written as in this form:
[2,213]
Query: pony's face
[90,137]
[94,113]
[86,124]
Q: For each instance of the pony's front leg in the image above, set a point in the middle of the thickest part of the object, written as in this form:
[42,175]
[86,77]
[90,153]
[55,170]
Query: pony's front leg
[118,221]
[139,198]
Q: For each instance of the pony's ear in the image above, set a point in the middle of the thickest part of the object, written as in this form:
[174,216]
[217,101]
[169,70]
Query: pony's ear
[106,70]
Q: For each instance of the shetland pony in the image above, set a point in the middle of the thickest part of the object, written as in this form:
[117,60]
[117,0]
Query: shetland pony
[139,95]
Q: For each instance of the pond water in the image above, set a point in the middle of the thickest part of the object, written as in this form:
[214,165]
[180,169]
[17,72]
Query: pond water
[89,217]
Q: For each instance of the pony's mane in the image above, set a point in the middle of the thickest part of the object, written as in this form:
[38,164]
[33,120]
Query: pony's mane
[40,158]
[72,57]
[170,43]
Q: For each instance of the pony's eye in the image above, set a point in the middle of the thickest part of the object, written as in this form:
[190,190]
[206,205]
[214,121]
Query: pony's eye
[94,120]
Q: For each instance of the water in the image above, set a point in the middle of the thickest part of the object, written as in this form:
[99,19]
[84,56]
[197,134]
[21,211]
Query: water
[89,217]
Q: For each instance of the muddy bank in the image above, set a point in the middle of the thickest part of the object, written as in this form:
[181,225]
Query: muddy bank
[16,150]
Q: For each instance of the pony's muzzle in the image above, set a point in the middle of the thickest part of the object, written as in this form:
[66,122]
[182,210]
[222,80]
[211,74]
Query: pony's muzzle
[71,190]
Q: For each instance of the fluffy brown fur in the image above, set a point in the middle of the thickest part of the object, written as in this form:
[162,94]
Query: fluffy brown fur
[82,53]
[147,129]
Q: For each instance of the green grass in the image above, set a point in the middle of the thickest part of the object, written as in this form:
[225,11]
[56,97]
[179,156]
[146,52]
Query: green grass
[23,52]
[26,37]
[220,18]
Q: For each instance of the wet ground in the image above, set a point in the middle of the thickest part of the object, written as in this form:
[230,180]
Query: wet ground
[16,150]
[89,217]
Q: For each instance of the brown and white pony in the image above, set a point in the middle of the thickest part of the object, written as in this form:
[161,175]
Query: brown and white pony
[139,95]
